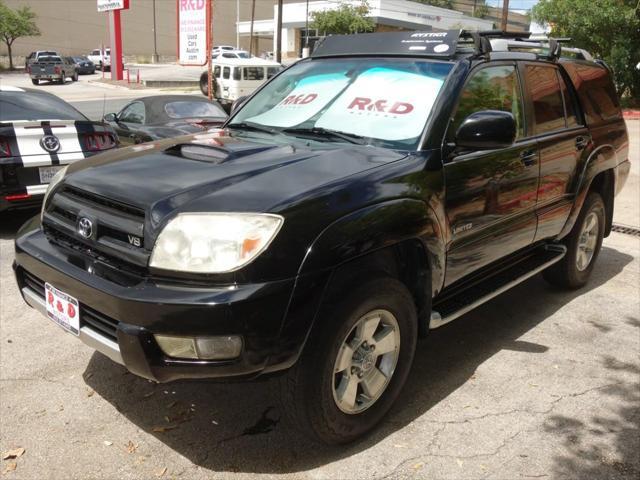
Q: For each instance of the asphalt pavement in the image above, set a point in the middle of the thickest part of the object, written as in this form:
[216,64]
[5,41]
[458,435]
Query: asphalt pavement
[537,383]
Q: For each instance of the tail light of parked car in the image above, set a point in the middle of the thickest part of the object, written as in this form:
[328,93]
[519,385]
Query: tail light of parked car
[5,149]
[57,70]
[100,141]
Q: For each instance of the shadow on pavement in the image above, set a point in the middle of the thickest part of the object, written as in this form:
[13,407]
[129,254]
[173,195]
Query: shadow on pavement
[10,222]
[240,427]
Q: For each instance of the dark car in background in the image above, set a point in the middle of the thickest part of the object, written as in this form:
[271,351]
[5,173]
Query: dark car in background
[84,65]
[164,116]
[40,134]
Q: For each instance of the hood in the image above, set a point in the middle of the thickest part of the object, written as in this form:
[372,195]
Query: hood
[219,172]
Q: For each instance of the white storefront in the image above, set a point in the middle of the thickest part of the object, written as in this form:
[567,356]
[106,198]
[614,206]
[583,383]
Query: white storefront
[387,14]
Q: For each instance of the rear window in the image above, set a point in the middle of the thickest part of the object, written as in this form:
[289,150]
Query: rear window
[272,71]
[49,59]
[193,109]
[253,73]
[16,106]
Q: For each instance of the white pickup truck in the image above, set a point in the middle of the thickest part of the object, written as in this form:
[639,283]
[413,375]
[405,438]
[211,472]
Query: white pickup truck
[101,59]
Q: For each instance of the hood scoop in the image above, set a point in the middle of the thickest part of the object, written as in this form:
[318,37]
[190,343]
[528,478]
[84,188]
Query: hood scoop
[217,154]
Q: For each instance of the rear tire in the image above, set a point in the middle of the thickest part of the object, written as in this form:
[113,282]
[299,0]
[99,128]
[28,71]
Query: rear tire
[75,77]
[315,392]
[35,81]
[63,78]
[583,246]
[204,85]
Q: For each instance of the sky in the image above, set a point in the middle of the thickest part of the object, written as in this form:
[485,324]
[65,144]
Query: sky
[523,5]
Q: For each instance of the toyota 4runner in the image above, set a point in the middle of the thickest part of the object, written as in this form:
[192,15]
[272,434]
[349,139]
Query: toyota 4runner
[380,188]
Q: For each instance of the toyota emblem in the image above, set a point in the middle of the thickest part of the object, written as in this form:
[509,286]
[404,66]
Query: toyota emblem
[85,227]
[50,143]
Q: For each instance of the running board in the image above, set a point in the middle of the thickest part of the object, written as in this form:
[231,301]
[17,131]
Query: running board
[466,300]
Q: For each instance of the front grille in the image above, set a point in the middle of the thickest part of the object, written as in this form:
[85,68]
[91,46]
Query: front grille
[118,229]
[89,317]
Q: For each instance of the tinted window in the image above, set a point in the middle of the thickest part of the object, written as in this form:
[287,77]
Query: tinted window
[226,71]
[229,55]
[216,71]
[236,73]
[95,52]
[35,106]
[544,90]
[49,59]
[133,113]
[492,88]
[569,103]
[272,71]
[193,109]
[253,73]
[243,55]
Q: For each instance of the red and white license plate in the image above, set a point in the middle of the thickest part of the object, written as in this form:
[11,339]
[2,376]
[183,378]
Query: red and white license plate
[62,309]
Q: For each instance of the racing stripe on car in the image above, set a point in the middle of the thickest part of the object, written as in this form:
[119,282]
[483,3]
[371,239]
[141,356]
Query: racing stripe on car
[9,134]
[46,127]
[84,128]
[29,149]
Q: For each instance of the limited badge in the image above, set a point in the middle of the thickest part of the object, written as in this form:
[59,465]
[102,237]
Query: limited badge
[50,143]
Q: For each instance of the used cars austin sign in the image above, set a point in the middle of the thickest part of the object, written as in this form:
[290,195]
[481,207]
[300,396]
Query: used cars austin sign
[193,31]
[107,5]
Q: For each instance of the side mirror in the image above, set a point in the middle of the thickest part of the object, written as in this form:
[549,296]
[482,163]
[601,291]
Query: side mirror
[110,117]
[238,103]
[486,130]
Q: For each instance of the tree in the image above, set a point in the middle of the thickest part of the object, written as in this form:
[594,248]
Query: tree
[15,24]
[608,29]
[345,19]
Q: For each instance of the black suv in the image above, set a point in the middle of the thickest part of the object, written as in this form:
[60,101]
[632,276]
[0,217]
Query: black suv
[381,188]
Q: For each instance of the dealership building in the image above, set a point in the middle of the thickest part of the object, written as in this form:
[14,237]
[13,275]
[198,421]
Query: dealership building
[74,27]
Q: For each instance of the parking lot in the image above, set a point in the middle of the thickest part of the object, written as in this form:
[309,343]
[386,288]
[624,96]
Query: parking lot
[534,384]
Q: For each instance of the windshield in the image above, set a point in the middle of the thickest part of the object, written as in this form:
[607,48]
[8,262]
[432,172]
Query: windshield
[385,102]
[193,109]
[16,106]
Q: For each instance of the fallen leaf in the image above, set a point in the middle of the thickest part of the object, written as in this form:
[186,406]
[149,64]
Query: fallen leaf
[108,443]
[90,392]
[172,404]
[11,466]
[14,453]
[166,419]
[147,395]
[164,429]
[131,447]
[418,466]
[459,462]
[398,445]
[161,472]
[533,385]
[214,422]
[88,376]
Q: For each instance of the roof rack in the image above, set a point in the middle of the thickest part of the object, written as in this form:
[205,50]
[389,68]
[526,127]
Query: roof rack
[482,39]
[549,48]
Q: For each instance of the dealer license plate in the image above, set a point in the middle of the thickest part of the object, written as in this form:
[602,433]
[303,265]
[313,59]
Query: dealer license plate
[63,309]
[47,173]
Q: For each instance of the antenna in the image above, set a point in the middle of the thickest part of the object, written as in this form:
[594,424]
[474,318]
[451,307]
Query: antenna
[104,105]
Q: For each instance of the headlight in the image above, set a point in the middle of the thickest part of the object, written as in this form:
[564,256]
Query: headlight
[57,178]
[213,242]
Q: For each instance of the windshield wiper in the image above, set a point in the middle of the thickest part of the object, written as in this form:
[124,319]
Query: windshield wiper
[252,126]
[325,132]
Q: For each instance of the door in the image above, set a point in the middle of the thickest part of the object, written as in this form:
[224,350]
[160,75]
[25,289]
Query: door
[490,195]
[562,140]
[129,121]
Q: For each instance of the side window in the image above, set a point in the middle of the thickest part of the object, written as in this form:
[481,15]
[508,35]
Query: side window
[544,90]
[236,73]
[134,113]
[95,52]
[229,55]
[492,88]
[569,103]
[216,71]
[226,72]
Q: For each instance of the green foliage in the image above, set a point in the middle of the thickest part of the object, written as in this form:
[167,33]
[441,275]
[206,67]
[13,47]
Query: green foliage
[15,24]
[437,3]
[481,11]
[609,29]
[345,19]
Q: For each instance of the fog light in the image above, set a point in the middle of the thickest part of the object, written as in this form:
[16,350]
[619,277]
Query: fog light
[201,348]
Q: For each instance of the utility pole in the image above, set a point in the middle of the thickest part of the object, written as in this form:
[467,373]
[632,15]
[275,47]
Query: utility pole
[279,33]
[253,14]
[237,26]
[505,15]
[209,48]
[155,57]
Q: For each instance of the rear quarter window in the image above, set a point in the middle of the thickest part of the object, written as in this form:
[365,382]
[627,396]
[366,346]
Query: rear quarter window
[596,91]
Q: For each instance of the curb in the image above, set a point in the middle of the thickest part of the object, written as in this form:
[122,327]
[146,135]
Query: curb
[631,114]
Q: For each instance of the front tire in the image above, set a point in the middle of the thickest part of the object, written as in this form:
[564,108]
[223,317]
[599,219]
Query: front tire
[355,363]
[583,246]
[35,81]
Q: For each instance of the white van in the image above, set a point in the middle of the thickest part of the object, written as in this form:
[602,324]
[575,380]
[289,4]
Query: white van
[237,77]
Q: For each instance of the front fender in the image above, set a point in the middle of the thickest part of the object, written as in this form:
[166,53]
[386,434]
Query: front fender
[375,227]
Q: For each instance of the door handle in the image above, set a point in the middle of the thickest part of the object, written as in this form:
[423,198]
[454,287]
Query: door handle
[528,157]
[582,142]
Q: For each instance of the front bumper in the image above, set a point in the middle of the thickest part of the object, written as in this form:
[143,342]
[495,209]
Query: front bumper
[119,314]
